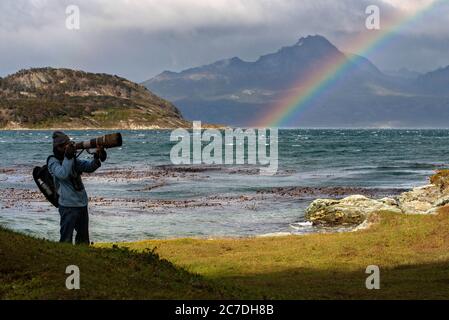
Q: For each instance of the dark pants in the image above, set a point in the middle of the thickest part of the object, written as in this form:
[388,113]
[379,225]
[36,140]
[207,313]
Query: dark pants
[73,218]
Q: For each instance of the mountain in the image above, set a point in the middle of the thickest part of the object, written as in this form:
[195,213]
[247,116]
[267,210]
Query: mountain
[403,73]
[236,92]
[65,98]
[435,82]
[236,79]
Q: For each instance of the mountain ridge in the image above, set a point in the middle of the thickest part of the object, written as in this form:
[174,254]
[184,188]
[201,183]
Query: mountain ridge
[234,91]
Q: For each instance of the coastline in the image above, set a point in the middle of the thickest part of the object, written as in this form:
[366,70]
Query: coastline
[323,265]
[112,129]
[83,129]
[151,127]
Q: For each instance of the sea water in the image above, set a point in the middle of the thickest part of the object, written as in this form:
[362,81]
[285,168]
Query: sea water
[137,194]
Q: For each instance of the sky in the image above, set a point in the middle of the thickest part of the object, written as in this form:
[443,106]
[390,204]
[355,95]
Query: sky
[137,39]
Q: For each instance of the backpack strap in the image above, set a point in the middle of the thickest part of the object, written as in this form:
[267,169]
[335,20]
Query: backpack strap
[50,156]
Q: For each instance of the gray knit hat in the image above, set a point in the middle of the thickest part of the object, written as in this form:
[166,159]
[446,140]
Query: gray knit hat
[59,138]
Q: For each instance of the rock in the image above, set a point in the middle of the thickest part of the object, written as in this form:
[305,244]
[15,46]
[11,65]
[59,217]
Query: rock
[351,210]
[441,201]
[354,210]
[389,201]
[420,200]
[441,180]
[433,210]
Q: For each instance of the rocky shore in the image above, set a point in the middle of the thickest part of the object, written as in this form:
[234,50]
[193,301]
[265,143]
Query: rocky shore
[355,209]
[340,207]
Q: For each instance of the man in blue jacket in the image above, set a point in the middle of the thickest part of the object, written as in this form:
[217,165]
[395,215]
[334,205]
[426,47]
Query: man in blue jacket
[66,170]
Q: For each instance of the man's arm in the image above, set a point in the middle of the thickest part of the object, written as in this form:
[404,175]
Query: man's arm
[60,171]
[88,166]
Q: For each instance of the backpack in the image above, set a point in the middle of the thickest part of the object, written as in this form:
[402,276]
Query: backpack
[45,183]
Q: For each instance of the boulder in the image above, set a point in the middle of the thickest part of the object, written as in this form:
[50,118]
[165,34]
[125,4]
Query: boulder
[421,200]
[354,210]
[351,210]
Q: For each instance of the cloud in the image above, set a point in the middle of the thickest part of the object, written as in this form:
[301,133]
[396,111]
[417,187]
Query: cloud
[139,38]
[410,6]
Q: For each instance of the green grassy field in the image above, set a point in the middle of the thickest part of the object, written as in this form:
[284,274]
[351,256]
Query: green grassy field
[412,252]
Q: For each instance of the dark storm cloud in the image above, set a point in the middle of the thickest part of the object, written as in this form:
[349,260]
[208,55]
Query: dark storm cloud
[138,39]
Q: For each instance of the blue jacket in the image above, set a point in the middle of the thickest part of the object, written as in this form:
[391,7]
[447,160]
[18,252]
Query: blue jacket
[62,173]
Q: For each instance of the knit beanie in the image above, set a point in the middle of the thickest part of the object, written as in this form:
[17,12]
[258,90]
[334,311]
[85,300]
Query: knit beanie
[60,138]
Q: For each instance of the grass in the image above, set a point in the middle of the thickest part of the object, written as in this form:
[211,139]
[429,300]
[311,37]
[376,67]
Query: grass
[412,252]
[35,269]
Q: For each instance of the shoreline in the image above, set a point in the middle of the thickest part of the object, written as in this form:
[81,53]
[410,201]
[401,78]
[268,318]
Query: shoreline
[207,126]
[86,129]
[155,127]
[282,235]
[403,246]
[138,207]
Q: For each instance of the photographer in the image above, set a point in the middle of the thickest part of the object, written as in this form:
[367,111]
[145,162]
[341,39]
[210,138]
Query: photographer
[66,170]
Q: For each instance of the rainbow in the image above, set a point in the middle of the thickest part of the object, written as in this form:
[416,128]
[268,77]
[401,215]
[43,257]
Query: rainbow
[317,82]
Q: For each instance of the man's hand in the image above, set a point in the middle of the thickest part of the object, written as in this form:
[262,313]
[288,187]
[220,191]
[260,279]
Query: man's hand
[70,151]
[100,154]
